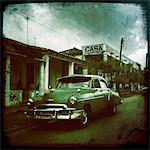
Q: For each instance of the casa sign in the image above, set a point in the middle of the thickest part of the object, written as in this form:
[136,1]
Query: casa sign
[93,49]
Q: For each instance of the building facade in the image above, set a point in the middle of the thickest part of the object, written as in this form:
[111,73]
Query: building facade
[99,57]
[27,69]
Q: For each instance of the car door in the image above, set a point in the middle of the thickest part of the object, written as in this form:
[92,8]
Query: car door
[106,91]
[99,99]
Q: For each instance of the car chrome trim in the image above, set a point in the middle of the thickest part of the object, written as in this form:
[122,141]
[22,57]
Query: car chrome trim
[49,109]
[87,99]
[61,105]
[81,75]
[50,100]
[70,108]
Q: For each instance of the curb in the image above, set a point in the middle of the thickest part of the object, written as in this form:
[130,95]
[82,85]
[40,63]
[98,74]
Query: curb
[14,109]
[128,96]
[16,128]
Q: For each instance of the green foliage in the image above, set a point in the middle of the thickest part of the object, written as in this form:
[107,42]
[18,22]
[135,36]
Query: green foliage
[120,73]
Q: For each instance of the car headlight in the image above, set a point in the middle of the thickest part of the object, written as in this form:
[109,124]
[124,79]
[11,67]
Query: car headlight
[30,101]
[72,100]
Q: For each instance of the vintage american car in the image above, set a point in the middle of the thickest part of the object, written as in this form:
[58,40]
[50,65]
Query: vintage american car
[76,97]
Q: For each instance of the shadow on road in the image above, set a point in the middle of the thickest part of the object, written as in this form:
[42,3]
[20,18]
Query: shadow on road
[102,115]
[57,126]
[70,125]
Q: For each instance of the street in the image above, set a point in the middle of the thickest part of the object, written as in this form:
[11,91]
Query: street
[72,80]
[127,126]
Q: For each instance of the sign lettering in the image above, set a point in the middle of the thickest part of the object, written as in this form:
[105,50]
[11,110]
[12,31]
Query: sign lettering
[92,49]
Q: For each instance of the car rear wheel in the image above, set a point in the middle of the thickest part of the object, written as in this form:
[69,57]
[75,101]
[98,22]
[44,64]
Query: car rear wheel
[113,108]
[86,117]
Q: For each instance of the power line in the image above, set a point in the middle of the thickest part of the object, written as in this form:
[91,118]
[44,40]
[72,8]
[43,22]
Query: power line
[48,28]
[79,18]
[71,23]
[68,22]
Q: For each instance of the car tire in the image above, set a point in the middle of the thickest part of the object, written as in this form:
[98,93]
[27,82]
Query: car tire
[113,108]
[86,118]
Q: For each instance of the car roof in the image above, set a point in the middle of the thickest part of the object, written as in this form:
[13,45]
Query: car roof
[82,75]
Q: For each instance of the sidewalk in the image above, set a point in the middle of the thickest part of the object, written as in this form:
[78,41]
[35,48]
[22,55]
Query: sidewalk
[13,118]
[14,108]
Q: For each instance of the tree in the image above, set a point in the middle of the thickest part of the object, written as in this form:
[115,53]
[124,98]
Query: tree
[119,73]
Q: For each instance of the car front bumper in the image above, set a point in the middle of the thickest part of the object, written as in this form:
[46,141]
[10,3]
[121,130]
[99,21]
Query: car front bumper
[55,112]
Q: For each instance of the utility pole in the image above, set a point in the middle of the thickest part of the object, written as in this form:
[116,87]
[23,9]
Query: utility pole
[27,29]
[121,46]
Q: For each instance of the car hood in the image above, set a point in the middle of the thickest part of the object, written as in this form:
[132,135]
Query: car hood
[62,95]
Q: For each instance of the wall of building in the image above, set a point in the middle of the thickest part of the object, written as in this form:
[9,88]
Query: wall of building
[15,74]
[36,75]
[27,70]
[57,69]
[24,78]
[78,69]
[82,57]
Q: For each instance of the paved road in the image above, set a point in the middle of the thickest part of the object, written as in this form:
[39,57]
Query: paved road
[105,130]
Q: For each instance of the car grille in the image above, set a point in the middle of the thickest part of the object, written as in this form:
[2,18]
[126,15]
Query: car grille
[40,113]
[50,109]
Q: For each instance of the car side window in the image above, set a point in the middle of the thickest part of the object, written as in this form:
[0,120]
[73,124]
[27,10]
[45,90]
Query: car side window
[103,84]
[95,83]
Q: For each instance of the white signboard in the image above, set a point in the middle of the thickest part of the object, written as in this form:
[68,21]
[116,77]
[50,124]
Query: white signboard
[93,49]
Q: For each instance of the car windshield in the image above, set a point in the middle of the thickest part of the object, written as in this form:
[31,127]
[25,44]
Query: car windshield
[73,82]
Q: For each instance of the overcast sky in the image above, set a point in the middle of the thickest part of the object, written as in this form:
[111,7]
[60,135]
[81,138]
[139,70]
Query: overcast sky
[61,26]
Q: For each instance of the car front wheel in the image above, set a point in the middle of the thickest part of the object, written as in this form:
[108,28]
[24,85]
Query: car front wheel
[86,117]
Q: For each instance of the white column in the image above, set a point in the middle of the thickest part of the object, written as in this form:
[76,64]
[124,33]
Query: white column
[103,75]
[120,85]
[139,86]
[46,73]
[132,87]
[106,77]
[71,68]
[100,73]
[114,86]
[7,82]
[85,71]
[104,56]
[104,53]
[41,85]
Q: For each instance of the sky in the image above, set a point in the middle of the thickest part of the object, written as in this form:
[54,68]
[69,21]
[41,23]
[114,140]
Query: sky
[62,26]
